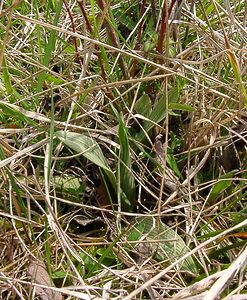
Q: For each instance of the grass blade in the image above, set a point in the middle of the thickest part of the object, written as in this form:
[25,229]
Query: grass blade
[127,180]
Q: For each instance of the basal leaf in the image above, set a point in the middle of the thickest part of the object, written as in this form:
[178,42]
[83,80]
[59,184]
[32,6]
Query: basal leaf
[157,115]
[159,110]
[171,246]
[143,106]
[39,275]
[85,145]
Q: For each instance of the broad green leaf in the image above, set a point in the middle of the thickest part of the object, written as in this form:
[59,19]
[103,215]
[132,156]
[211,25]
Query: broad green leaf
[181,106]
[107,254]
[150,41]
[157,114]
[173,94]
[143,106]
[159,110]
[59,275]
[209,9]
[90,149]
[123,18]
[223,183]
[148,46]
[66,183]
[135,235]
[6,77]
[170,249]
[53,79]
[85,145]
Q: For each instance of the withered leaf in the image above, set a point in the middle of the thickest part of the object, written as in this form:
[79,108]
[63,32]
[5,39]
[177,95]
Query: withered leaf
[37,271]
[241,235]
[231,158]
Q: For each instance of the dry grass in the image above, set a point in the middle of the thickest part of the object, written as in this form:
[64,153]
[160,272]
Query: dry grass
[148,201]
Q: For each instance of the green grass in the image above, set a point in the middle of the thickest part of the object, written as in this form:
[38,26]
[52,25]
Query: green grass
[123,148]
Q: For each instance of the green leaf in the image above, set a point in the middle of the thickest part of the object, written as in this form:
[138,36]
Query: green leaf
[181,106]
[127,181]
[173,94]
[89,148]
[159,110]
[64,183]
[223,183]
[148,46]
[53,79]
[108,251]
[173,164]
[16,112]
[143,106]
[68,183]
[135,235]
[123,18]
[107,254]
[85,145]
[59,275]
[168,251]
[6,77]
[8,85]
[157,114]
[50,45]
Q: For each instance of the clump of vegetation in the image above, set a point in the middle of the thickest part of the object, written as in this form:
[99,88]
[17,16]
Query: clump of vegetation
[123,149]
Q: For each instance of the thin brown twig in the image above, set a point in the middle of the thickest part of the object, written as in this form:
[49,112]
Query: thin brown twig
[165,16]
[73,29]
